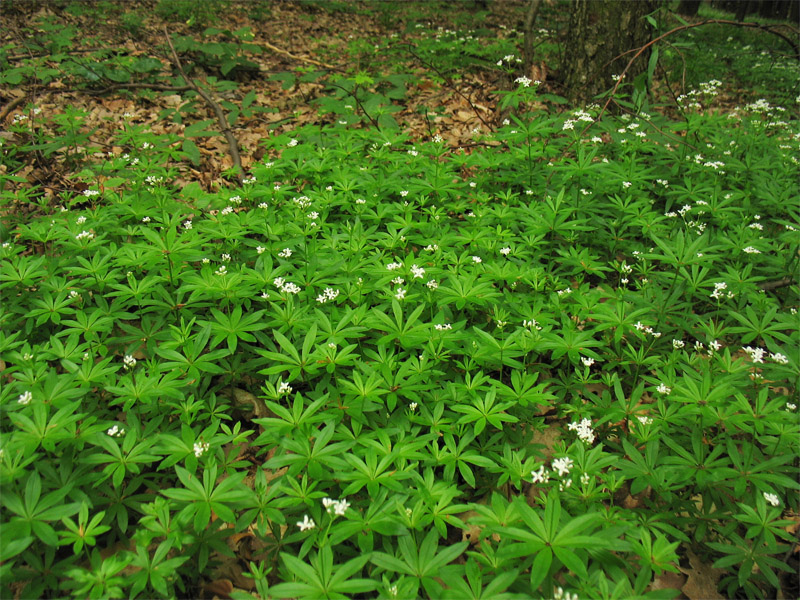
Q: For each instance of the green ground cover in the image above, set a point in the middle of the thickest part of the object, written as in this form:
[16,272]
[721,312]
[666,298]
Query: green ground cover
[556,362]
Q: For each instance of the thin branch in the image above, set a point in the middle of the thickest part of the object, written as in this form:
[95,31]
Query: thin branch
[134,86]
[449,83]
[773,285]
[639,51]
[300,58]
[233,145]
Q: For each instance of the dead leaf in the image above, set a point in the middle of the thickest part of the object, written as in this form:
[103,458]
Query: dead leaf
[702,579]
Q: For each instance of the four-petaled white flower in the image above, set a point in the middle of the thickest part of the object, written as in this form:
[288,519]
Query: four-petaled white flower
[25,398]
[128,361]
[540,476]
[400,293]
[477,259]
[285,253]
[306,523]
[772,499]
[663,389]
[562,466]
[200,448]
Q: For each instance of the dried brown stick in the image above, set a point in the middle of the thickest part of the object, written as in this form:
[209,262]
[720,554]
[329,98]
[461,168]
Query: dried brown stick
[233,144]
[449,83]
[300,58]
[773,285]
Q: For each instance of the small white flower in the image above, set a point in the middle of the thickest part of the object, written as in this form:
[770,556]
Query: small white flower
[442,326]
[285,253]
[115,431]
[260,249]
[404,193]
[772,499]
[477,259]
[205,260]
[583,429]
[145,219]
[779,358]
[751,250]
[645,420]
[417,271]
[413,406]
[81,220]
[284,388]
[562,466]
[540,475]
[226,257]
[626,184]
[663,389]
[791,406]
[587,362]
[128,361]
[227,210]
[306,523]
[400,293]
[292,143]
[523,81]
[85,235]
[756,354]
[187,224]
[25,398]
[263,205]
[505,251]
[223,270]
[200,448]
[678,344]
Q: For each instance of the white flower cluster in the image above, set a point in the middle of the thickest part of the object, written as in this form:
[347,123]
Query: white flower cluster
[757,355]
[583,429]
[85,235]
[442,326]
[531,324]
[648,330]
[417,271]
[200,448]
[128,361]
[772,499]
[25,398]
[560,594]
[337,507]
[284,387]
[718,291]
[116,431]
[306,523]
[285,253]
[328,294]
[286,287]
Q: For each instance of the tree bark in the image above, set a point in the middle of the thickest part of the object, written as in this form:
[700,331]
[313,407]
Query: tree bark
[689,8]
[599,32]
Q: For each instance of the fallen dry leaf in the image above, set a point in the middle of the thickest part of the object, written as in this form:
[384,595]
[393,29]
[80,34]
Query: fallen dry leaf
[702,579]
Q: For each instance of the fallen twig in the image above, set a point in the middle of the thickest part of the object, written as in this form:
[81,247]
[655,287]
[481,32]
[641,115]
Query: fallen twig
[450,84]
[233,144]
[295,57]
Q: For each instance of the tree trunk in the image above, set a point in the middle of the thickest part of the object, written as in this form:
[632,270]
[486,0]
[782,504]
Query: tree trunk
[742,10]
[599,32]
[689,8]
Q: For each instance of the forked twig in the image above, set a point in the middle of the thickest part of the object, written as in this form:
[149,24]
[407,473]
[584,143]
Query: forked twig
[233,145]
